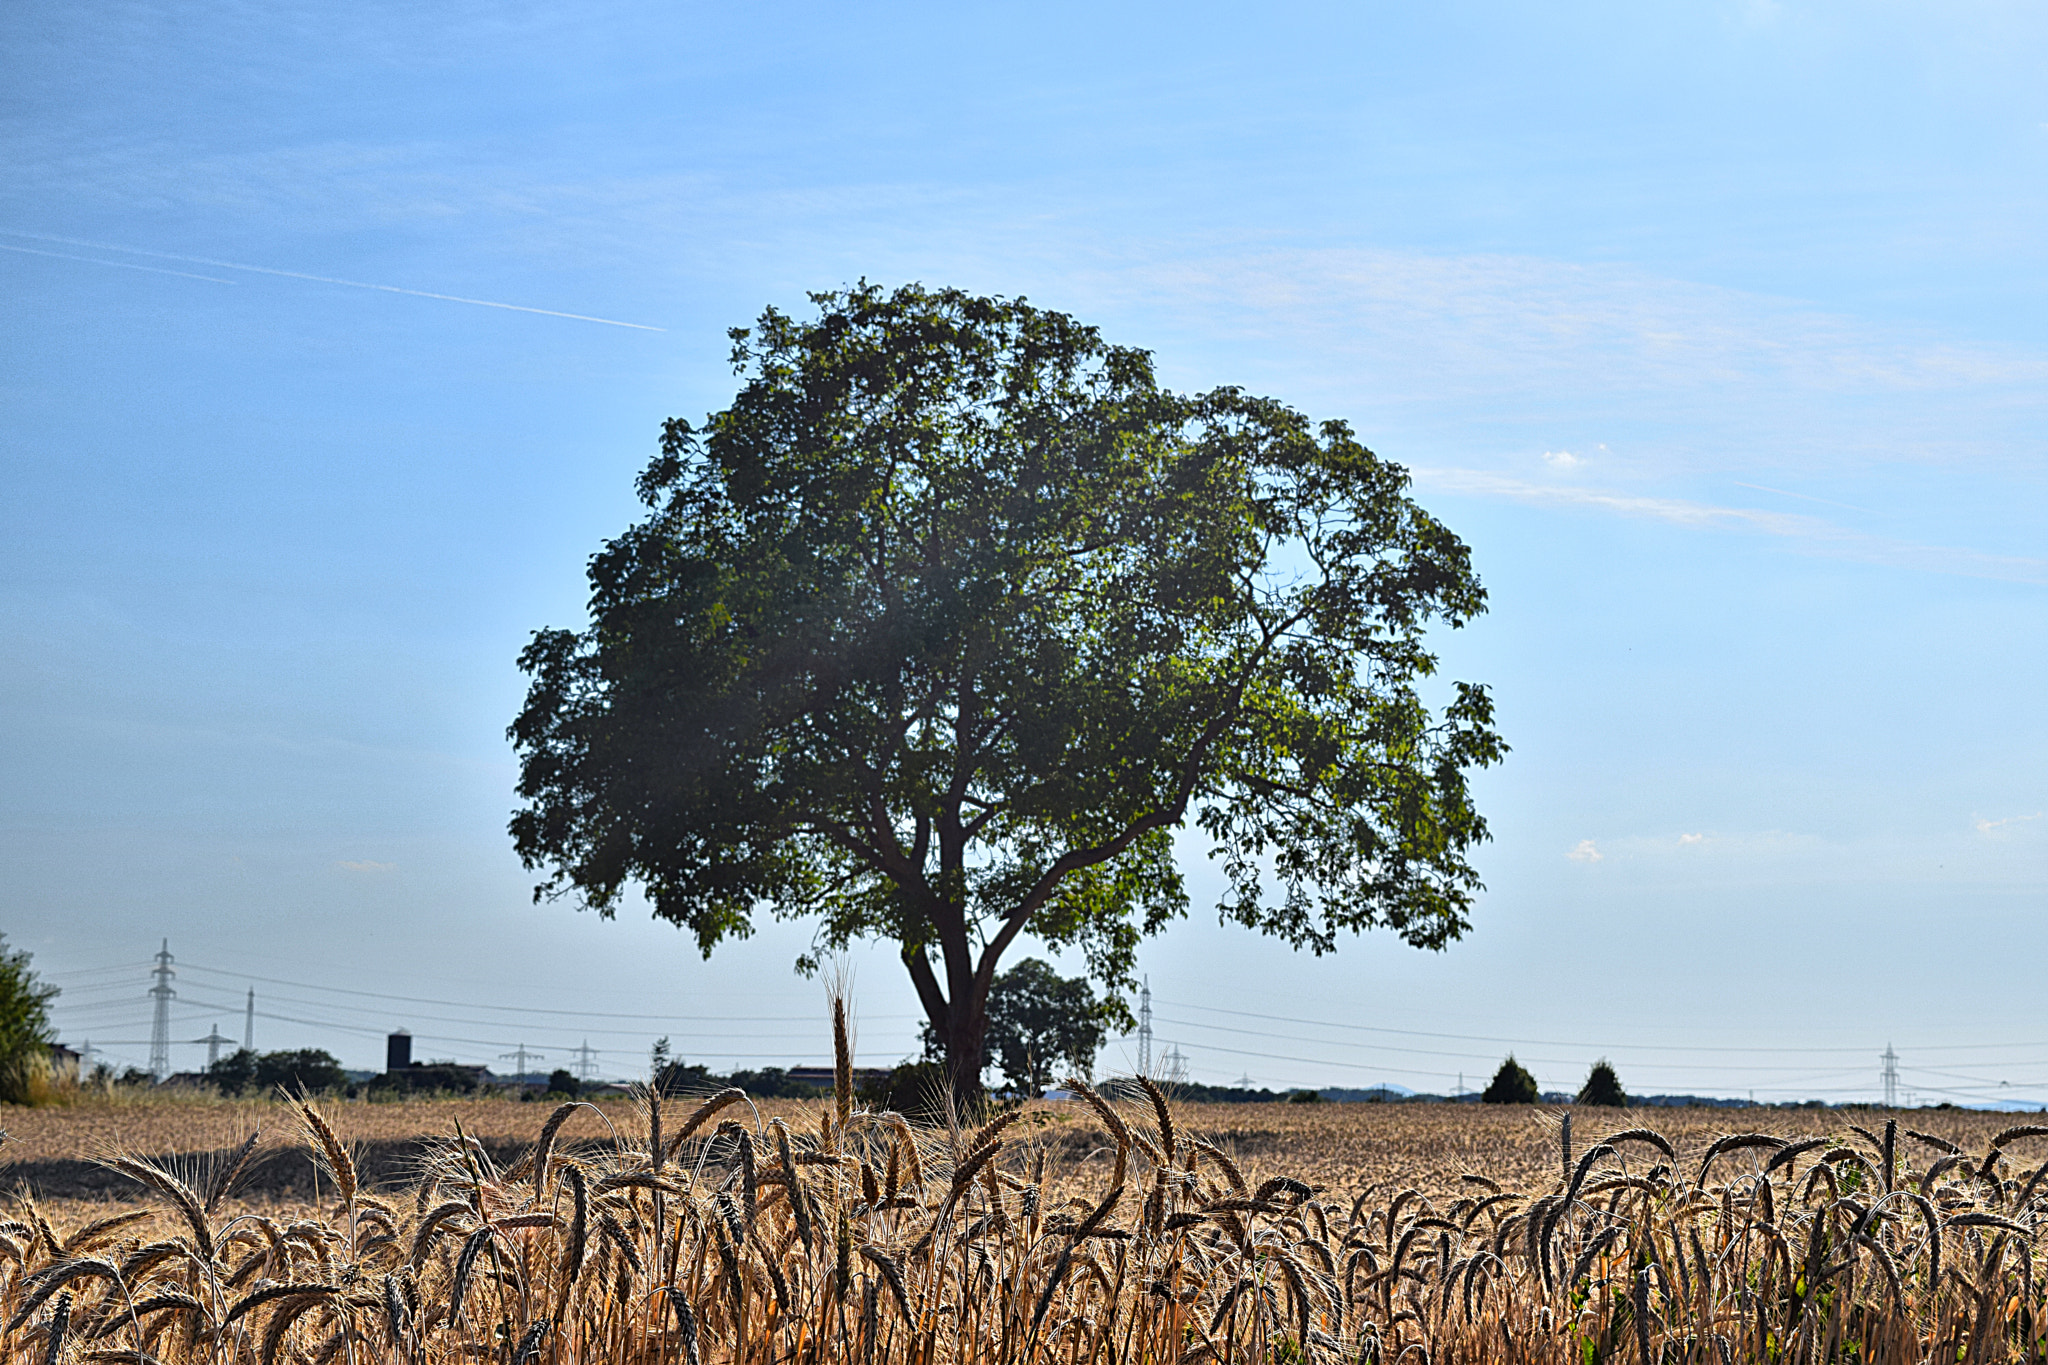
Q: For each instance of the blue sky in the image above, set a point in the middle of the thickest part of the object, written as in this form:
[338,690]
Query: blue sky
[1719,330]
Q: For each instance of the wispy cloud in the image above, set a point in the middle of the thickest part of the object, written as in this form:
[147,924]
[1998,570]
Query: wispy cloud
[1486,351]
[317,279]
[1562,459]
[1810,534]
[1541,317]
[1585,851]
[1803,497]
[1685,839]
[1989,826]
[118,265]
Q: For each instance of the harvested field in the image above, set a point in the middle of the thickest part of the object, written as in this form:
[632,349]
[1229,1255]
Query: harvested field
[722,1231]
[53,1151]
[1349,1148]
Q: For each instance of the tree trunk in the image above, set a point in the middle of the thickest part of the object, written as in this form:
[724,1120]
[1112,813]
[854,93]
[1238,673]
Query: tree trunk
[963,1029]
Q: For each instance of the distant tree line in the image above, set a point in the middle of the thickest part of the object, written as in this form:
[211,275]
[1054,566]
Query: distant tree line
[769,1083]
[1041,1027]
[303,1070]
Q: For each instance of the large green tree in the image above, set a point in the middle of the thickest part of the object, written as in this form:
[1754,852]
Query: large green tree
[1039,1025]
[945,626]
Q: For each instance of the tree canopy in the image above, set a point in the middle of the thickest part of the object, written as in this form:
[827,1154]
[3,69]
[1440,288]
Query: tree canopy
[945,626]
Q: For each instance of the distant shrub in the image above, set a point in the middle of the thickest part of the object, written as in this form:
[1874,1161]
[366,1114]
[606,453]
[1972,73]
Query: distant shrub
[1603,1087]
[914,1089]
[674,1078]
[1512,1084]
[773,1083]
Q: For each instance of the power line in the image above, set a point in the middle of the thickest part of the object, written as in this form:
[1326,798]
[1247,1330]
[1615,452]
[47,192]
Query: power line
[528,1009]
[490,1045]
[1438,1075]
[1437,1052]
[1544,1042]
[131,986]
[1981,1080]
[412,1015]
[356,1011]
[118,1015]
[128,967]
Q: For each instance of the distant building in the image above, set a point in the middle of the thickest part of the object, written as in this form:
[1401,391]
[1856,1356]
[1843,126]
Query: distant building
[822,1076]
[66,1063]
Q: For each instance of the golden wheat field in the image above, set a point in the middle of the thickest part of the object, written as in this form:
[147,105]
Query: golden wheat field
[718,1230]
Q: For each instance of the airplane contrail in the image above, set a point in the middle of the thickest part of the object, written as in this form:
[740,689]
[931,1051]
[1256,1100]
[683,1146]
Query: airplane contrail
[318,279]
[118,265]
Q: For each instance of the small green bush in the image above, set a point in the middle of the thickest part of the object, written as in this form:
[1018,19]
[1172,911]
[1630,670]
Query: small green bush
[914,1089]
[1512,1084]
[1603,1087]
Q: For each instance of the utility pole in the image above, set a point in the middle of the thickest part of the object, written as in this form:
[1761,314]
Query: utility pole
[1174,1066]
[522,1052]
[213,1040]
[160,1027]
[586,1061]
[1890,1076]
[249,1023]
[1145,1028]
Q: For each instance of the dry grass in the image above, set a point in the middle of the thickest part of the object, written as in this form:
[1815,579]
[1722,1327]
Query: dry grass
[202,1123]
[689,1233]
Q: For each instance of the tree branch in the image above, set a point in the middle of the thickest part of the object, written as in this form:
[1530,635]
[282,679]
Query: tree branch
[1075,859]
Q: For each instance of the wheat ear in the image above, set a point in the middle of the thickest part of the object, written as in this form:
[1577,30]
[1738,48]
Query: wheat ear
[339,1164]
